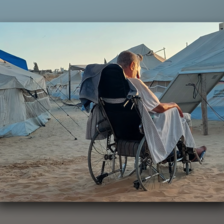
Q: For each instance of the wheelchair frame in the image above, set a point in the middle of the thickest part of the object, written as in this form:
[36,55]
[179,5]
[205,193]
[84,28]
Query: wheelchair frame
[108,168]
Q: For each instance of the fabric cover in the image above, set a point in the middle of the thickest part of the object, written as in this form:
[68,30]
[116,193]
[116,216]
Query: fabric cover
[19,62]
[24,103]
[59,87]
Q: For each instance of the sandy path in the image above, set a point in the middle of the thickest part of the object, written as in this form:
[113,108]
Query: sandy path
[49,165]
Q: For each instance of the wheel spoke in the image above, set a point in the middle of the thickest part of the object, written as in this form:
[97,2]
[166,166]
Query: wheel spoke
[103,161]
[148,176]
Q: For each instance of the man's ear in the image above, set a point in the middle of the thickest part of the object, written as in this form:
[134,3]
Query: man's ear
[132,65]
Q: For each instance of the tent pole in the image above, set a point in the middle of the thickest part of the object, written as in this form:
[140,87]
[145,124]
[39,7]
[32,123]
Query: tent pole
[204,105]
[69,82]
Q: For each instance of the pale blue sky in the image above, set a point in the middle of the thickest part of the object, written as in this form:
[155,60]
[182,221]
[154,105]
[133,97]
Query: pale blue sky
[55,45]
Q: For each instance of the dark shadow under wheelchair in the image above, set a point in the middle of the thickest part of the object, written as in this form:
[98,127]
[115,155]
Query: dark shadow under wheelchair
[107,158]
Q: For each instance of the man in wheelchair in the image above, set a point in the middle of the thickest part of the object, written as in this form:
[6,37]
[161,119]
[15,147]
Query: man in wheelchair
[130,64]
[128,120]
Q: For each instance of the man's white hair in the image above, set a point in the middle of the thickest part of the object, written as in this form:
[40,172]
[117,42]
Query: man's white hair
[125,58]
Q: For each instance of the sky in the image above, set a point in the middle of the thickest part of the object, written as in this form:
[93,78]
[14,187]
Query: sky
[55,45]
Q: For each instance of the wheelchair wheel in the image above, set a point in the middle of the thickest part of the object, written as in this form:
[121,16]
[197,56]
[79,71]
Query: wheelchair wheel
[103,162]
[149,175]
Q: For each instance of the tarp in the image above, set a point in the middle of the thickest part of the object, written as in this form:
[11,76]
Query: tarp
[59,87]
[205,55]
[216,100]
[24,104]
[185,90]
[15,77]
[76,77]
[150,59]
[19,62]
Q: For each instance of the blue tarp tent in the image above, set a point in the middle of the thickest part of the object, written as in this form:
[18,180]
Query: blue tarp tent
[19,62]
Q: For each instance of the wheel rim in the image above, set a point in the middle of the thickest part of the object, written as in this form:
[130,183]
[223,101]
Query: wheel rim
[152,176]
[103,161]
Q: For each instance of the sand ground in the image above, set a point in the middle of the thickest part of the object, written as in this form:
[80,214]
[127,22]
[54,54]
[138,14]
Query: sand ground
[49,165]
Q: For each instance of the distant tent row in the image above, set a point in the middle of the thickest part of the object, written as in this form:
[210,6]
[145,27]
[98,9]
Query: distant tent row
[59,87]
[24,104]
[19,62]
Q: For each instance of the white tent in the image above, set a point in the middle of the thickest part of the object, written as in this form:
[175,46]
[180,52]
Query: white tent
[24,103]
[205,55]
[150,59]
[59,87]
[216,100]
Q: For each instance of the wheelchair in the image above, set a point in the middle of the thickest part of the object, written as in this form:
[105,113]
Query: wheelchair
[124,138]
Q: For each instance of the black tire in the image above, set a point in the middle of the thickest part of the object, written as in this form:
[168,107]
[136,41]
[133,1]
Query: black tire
[100,157]
[149,174]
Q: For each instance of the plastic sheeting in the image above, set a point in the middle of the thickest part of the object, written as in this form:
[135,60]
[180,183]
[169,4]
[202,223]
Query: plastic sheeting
[62,92]
[14,108]
[12,76]
[24,103]
[204,55]
[24,128]
[59,87]
[19,62]
[216,100]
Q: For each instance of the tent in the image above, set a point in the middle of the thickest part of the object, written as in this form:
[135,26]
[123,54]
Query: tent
[150,59]
[205,55]
[24,104]
[216,100]
[13,59]
[59,87]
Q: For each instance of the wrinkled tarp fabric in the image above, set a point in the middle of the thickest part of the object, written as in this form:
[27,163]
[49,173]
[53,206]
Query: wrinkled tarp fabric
[14,108]
[23,101]
[59,87]
[24,128]
[215,99]
[15,77]
[205,55]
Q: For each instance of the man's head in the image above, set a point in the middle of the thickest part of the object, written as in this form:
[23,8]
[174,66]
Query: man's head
[130,63]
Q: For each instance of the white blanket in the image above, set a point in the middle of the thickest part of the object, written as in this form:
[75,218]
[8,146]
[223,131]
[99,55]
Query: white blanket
[169,126]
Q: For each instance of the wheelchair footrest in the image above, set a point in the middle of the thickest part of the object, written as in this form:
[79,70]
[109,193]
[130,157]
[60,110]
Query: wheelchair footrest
[189,169]
[200,151]
[101,177]
[136,184]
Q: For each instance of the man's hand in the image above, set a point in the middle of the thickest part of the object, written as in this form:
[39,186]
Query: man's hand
[178,108]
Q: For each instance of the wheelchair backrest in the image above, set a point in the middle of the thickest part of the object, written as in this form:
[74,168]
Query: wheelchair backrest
[124,120]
